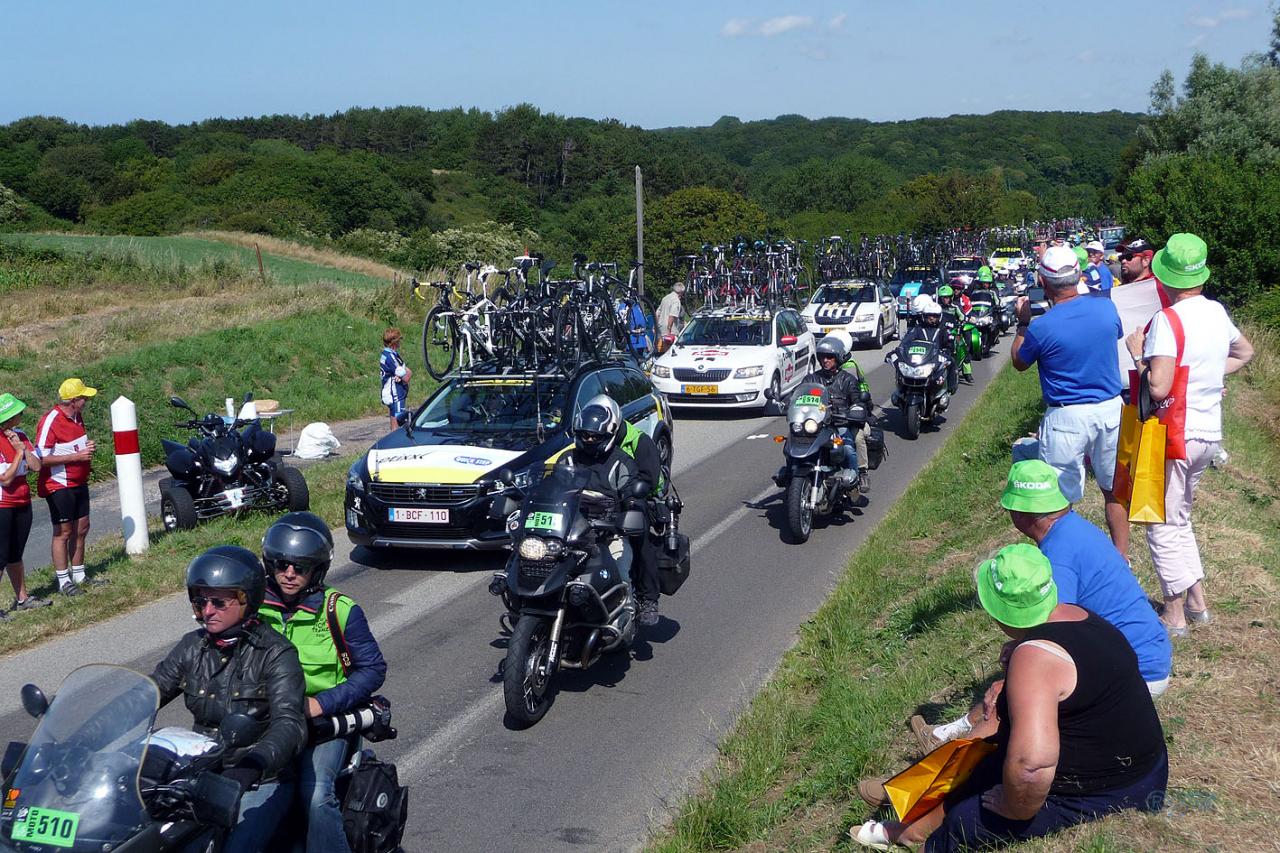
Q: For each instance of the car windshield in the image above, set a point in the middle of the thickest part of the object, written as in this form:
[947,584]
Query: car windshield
[830,293]
[727,331]
[496,404]
[907,274]
[964,265]
[1007,253]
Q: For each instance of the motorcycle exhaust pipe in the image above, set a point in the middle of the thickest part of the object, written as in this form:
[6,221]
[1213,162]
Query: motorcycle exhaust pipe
[589,647]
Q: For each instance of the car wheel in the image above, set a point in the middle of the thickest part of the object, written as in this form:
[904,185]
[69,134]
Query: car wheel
[666,451]
[775,387]
[880,336]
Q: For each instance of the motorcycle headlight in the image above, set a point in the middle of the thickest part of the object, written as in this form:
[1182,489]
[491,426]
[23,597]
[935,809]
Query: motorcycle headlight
[661,371]
[533,548]
[748,372]
[810,426]
[915,372]
[226,464]
[984,321]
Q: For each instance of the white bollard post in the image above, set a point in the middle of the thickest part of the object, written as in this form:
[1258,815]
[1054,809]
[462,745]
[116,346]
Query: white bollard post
[133,510]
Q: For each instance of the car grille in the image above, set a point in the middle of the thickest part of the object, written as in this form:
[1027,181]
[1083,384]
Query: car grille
[703,398]
[685,374]
[410,494]
[425,531]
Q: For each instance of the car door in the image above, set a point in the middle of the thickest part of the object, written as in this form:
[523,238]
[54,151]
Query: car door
[785,325]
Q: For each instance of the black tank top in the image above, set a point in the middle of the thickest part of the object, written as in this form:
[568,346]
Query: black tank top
[1108,730]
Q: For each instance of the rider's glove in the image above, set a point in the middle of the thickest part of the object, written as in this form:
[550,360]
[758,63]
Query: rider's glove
[247,775]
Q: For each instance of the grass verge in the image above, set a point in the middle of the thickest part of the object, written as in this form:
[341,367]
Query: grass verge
[902,633]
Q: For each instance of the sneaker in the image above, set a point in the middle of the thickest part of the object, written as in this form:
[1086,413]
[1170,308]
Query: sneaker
[31,603]
[873,793]
[94,581]
[70,588]
[648,613]
[924,734]
[1200,617]
[864,481]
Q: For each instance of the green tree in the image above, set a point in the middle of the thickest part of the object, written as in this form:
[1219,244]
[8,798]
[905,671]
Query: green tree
[682,221]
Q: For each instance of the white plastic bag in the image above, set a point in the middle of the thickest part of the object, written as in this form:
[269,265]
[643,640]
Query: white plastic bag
[316,442]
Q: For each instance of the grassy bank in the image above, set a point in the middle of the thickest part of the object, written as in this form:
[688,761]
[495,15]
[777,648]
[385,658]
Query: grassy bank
[903,634]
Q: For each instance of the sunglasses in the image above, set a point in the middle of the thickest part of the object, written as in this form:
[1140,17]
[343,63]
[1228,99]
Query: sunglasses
[279,567]
[219,603]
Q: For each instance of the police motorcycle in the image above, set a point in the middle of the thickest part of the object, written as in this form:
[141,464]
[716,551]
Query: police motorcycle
[97,775]
[814,452]
[566,585]
[227,466]
[921,371]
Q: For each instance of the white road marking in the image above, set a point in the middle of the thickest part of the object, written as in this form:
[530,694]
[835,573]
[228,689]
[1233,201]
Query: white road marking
[759,435]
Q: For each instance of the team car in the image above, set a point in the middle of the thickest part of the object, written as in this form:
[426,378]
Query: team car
[911,281]
[430,484]
[1007,260]
[729,358]
[865,309]
[963,265]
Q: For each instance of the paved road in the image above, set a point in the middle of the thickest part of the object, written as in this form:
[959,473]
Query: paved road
[624,741]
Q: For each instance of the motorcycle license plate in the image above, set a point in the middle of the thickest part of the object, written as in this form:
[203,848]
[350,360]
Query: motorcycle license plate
[702,389]
[46,826]
[235,497]
[418,515]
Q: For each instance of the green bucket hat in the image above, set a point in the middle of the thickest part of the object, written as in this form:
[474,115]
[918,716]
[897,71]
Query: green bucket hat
[1016,586]
[1033,487]
[1181,264]
[1083,255]
[10,406]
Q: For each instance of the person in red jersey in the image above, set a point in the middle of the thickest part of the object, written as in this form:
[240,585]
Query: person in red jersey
[65,461]
[17,459]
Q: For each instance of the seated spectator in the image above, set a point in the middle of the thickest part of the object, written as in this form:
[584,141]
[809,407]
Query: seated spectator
[1078,739]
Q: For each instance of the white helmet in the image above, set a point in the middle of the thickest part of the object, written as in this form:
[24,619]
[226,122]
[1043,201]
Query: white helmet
[924,304]
[845,339]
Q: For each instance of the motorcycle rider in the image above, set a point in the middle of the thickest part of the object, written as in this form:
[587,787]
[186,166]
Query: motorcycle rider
[234,663]
[643,450]
[953,320]
[843,390]
[342,670]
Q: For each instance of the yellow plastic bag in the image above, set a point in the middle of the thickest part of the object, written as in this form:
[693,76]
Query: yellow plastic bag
[1126,452]
[1147,504]
[917,790]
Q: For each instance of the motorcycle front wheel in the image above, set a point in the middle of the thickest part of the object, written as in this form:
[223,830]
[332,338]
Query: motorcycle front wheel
[911,420]
[525,690]
[799,516]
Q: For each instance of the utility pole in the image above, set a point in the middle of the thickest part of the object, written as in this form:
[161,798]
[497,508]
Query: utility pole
[640,228]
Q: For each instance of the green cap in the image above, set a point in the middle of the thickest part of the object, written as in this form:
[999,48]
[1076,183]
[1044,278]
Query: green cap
[1083,255]
[10,406]
[1033,487]
[984,274]
[1181,264]
[1016,586]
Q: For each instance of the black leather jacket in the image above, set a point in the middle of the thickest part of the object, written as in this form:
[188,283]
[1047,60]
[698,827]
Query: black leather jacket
[843,389]
[609,476]
[259,676]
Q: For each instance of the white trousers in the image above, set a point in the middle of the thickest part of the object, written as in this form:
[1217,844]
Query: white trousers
[1173,544]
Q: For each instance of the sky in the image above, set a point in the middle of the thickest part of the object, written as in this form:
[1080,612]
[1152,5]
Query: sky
[653,63]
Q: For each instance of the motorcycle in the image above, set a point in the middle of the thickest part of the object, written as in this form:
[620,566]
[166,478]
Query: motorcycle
[987,315]
[228,466]
[565,585]
[813,450]
[920,369]
[97,776]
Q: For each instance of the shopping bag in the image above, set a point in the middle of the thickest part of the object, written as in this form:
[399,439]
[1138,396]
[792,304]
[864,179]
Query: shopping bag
[1126,452]
[917,790]
[1146,505]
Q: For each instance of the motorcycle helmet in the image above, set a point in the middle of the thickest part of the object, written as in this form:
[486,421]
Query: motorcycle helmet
[930,312]
[945,292]
[845,339]
[597,426]
[962,282]
[832,348]
[300,539]
[229,567]
[984,275]
[921,302]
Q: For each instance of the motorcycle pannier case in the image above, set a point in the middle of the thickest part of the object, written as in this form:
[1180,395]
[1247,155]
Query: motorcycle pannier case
[875,447]
[375,808]
[673,566]
[260,443]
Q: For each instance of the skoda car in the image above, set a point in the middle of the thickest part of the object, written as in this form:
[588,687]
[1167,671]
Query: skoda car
[864,309]
[430,483]
[728,358]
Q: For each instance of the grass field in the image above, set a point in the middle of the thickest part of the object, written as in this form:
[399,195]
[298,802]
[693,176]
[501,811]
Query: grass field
[283,266]
[903,634]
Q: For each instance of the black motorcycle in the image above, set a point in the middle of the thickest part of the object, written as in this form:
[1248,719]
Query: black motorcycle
[921,371]
[566,585]
[98,776]
[814,453]
[228,466]
[988,316]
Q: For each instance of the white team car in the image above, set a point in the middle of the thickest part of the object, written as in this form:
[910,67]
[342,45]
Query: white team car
[1008,260]
[864,309]
[729,357]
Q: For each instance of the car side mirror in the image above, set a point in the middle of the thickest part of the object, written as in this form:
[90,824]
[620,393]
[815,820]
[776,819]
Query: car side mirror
[34,702]
[788,340]
[237,730]
[770,396]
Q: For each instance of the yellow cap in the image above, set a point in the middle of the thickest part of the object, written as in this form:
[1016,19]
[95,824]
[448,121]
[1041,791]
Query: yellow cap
[74,388]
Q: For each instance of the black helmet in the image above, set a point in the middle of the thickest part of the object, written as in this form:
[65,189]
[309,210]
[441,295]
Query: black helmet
[229,567]
[832,347]
[597,425]
[301,539]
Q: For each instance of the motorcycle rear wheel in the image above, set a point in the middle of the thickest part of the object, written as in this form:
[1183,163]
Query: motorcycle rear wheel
[911,420]
[526,693]
[799,517]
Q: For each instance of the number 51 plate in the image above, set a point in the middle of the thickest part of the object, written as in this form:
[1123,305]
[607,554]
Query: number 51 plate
[46,826]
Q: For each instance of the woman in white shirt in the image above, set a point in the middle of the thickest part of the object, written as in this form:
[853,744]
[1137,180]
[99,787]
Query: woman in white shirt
[1213,349]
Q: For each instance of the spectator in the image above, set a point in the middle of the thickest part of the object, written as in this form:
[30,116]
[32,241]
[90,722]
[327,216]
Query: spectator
[1040,245]
[1213,349]
[17,458]
[670,311]
[395,376]
[1097,273]
[1135,260]
[1074,344]
[1078,739]
[66,458]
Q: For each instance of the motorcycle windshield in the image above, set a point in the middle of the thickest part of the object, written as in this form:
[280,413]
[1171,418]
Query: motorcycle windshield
[919,352]
[553,505]
[77,785]
[808,402]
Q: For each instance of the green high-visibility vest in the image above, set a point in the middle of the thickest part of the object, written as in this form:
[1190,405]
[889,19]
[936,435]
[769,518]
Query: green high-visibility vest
[630,440]
[309,633]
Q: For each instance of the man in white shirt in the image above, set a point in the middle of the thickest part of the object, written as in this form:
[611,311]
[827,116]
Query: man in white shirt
[1213,348]
[670,311]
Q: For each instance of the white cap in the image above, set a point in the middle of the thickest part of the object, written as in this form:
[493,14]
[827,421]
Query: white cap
[1094,246]
[1057,261]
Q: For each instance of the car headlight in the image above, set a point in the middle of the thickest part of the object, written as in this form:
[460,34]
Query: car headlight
[915,372]
[226,464]
[661,371]
[810,426]
[748,372]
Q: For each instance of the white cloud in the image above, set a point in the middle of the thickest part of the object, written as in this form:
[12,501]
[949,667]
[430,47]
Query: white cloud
[837,21]
[1086,55]
[1198,40]
[735,27]
[1208,22]
[1205,22]
[785,23]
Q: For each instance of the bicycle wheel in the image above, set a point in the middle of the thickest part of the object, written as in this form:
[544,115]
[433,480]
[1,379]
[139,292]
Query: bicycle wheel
[569,335]
[439,341]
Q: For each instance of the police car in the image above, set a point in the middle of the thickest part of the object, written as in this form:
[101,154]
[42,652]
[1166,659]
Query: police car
[865,309]
[431,483]
[729,357]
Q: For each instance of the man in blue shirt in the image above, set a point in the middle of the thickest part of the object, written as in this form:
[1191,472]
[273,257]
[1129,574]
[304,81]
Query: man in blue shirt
[1098,275]
[394,377]
[1074,344]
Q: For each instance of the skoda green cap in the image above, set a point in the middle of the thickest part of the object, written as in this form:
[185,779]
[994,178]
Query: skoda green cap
[1182,262]
[10,406]
[1033,487]
[1016,586]
[1082,255]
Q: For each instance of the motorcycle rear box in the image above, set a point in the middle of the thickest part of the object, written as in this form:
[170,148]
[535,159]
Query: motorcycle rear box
[673,566]
[875,447]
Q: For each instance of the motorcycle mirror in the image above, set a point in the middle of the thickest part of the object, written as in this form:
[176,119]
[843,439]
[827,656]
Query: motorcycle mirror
[34,702]
[179,403]
[216,799]
[770,396]
[506,477]
[237,730]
